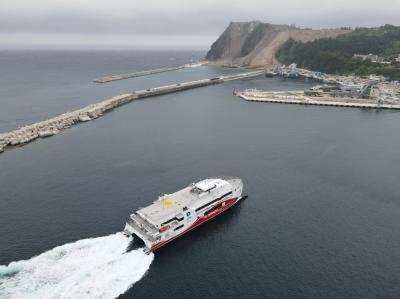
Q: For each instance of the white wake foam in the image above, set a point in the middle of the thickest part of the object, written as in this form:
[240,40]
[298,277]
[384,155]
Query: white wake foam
[89,268]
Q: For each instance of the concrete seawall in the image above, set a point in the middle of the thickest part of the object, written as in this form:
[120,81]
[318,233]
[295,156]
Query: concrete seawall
[107,79]
[298,97]
[54,125]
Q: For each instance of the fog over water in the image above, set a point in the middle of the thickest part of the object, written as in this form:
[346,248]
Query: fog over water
[176,24]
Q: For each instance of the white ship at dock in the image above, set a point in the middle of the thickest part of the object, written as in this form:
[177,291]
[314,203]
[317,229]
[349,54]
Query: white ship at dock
[173,215]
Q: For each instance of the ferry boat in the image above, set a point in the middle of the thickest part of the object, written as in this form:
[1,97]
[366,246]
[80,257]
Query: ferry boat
[173,215]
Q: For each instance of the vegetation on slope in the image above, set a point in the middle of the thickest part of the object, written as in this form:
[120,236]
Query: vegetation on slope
[335,55]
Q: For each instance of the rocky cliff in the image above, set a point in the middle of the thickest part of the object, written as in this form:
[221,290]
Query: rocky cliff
[256,43]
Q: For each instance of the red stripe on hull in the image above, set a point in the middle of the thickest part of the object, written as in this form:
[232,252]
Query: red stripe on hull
[209,215]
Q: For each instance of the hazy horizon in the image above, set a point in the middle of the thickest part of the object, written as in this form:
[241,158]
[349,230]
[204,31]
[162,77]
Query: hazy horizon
[175,25]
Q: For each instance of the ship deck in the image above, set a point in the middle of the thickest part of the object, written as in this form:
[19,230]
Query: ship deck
[168,206]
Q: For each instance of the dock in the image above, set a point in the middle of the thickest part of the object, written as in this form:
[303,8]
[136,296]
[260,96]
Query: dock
[136,74]
[55,125]
[299,98]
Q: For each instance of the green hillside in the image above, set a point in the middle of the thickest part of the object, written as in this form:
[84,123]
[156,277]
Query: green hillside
[335,55]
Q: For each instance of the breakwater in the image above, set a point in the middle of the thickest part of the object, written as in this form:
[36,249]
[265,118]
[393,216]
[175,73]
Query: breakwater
[107,79]
[55,125]
[61,122]
[298,97]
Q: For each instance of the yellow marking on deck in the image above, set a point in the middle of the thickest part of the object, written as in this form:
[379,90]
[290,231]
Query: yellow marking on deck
[168,203]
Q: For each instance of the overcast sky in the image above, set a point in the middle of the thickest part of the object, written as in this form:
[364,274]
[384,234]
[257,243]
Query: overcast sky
[169,24]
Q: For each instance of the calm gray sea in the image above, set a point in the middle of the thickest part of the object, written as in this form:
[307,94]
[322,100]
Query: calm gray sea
[322,219]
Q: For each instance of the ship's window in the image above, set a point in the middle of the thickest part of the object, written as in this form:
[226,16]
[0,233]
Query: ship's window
[196,190]
[178,217]
[180,226]
[213,187]
[211,202]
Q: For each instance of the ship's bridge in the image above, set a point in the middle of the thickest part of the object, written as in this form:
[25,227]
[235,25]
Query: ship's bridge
[208,185]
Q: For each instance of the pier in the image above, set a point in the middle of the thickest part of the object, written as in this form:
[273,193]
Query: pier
[55,125]
[298,97]
[136,74]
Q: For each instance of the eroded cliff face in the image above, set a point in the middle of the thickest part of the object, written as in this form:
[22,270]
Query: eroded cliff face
[256,43]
